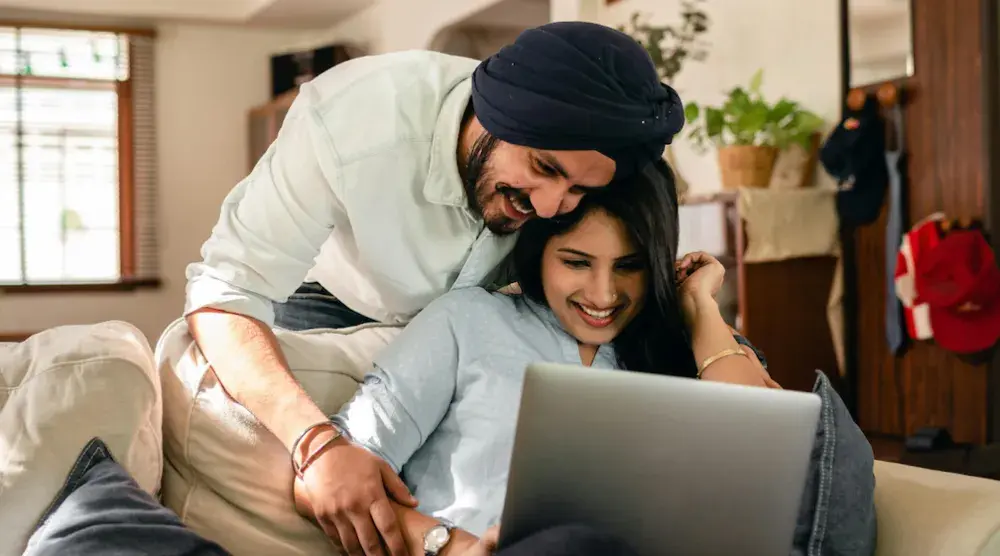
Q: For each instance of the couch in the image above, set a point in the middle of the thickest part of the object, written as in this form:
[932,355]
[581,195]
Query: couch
[170,423]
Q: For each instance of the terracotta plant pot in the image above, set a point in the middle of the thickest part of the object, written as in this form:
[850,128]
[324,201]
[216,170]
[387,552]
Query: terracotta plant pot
[746,165]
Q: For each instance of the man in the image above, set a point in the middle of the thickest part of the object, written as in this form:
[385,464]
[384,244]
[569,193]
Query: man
[405,188]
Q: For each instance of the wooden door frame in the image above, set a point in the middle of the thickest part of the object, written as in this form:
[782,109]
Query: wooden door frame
[991,180]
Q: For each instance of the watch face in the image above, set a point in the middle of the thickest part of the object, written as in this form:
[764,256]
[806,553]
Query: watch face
[436,538]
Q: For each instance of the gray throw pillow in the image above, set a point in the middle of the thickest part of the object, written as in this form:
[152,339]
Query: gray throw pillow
[837,515]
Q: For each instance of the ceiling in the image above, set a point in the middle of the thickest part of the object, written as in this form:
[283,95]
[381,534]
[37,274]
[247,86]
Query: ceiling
[277,13]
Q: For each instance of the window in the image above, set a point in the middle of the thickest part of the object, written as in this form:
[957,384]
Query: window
[75,127]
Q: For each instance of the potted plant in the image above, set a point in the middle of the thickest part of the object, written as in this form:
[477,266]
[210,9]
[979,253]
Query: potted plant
[749,132]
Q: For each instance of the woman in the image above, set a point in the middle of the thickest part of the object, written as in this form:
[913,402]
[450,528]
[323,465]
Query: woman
[601,288]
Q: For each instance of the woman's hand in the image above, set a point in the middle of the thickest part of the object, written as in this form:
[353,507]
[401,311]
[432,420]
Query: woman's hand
[699,277]
[486,546]
[346,491]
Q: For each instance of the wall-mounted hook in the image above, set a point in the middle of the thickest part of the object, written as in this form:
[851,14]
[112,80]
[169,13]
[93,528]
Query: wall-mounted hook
[888,95]
[856,99]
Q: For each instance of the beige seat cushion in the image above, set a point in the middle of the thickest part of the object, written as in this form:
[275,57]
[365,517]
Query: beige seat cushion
[59,389]
[226,475]
[930,513]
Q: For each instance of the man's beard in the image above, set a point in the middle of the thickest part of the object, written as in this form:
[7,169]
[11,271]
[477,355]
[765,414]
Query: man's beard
[479,185]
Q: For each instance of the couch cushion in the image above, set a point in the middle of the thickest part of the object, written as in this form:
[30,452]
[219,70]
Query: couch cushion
[59,389]
[923,512]
[227,476]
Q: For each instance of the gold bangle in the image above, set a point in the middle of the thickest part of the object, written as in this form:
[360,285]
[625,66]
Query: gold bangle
[721,355]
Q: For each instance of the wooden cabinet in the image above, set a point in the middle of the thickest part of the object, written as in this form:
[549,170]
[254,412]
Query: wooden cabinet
[265,121]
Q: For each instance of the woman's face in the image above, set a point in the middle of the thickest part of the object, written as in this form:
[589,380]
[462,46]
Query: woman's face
[593,278]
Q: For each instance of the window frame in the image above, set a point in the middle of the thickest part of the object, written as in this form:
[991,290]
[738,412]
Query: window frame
[128,280]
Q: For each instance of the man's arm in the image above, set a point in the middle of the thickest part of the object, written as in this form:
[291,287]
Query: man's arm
[270,229]
[245,355]
[349,487]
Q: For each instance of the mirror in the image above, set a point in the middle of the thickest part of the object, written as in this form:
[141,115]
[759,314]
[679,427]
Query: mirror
[881,40]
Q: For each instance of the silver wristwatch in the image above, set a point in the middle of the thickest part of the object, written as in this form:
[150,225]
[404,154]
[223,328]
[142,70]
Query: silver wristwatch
[437,537]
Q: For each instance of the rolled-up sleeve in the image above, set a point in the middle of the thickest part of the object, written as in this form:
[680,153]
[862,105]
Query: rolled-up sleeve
[410,389]
[273,223]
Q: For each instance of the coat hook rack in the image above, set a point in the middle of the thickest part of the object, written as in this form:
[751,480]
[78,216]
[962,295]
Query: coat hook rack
[888,95]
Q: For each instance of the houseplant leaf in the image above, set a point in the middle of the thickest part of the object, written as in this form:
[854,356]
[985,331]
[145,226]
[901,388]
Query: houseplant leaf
[715,121]
[756,81]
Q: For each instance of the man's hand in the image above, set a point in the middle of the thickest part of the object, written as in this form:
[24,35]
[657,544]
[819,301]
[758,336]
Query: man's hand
[346,491]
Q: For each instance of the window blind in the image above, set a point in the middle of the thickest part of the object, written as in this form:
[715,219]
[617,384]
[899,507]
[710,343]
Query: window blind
[144,157]
[65,205]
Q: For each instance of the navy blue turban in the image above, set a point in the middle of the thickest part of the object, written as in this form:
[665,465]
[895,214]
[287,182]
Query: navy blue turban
[578,86]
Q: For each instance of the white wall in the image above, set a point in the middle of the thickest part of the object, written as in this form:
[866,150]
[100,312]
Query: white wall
[575,10]
[881,48]
[393,25]
[473,41]
[207,79]
[795,41]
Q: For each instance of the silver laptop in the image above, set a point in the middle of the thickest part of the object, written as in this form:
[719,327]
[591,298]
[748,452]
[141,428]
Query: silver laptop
[672,466]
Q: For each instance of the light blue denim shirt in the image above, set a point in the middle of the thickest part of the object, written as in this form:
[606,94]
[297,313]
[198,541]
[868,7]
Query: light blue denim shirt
[441,404]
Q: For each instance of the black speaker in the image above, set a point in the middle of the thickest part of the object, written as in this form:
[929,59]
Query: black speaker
[290,70]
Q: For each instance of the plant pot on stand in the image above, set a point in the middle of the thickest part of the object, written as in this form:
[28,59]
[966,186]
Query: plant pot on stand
[749,132]
[746,165]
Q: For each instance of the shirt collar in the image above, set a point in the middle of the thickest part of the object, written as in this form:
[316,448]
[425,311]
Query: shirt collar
[444,183]
[605,357]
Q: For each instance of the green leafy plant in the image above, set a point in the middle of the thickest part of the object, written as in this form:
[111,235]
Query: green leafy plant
[671,45]
[746,118]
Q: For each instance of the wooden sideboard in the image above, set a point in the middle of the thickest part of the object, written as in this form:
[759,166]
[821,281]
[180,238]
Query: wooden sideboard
[265,121]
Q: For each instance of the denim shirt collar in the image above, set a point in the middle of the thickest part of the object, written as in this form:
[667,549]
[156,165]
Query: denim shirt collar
[605,357]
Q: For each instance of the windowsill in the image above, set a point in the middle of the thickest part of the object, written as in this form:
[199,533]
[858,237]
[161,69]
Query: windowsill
[125,285]
[14,337]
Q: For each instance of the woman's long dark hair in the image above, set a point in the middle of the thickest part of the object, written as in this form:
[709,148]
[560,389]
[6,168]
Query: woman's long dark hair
[657,340]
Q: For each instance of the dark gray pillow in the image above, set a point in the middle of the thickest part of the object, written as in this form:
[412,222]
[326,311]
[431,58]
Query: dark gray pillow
[837,515]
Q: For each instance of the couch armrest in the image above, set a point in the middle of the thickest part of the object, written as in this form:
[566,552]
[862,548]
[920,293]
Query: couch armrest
[924,512]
